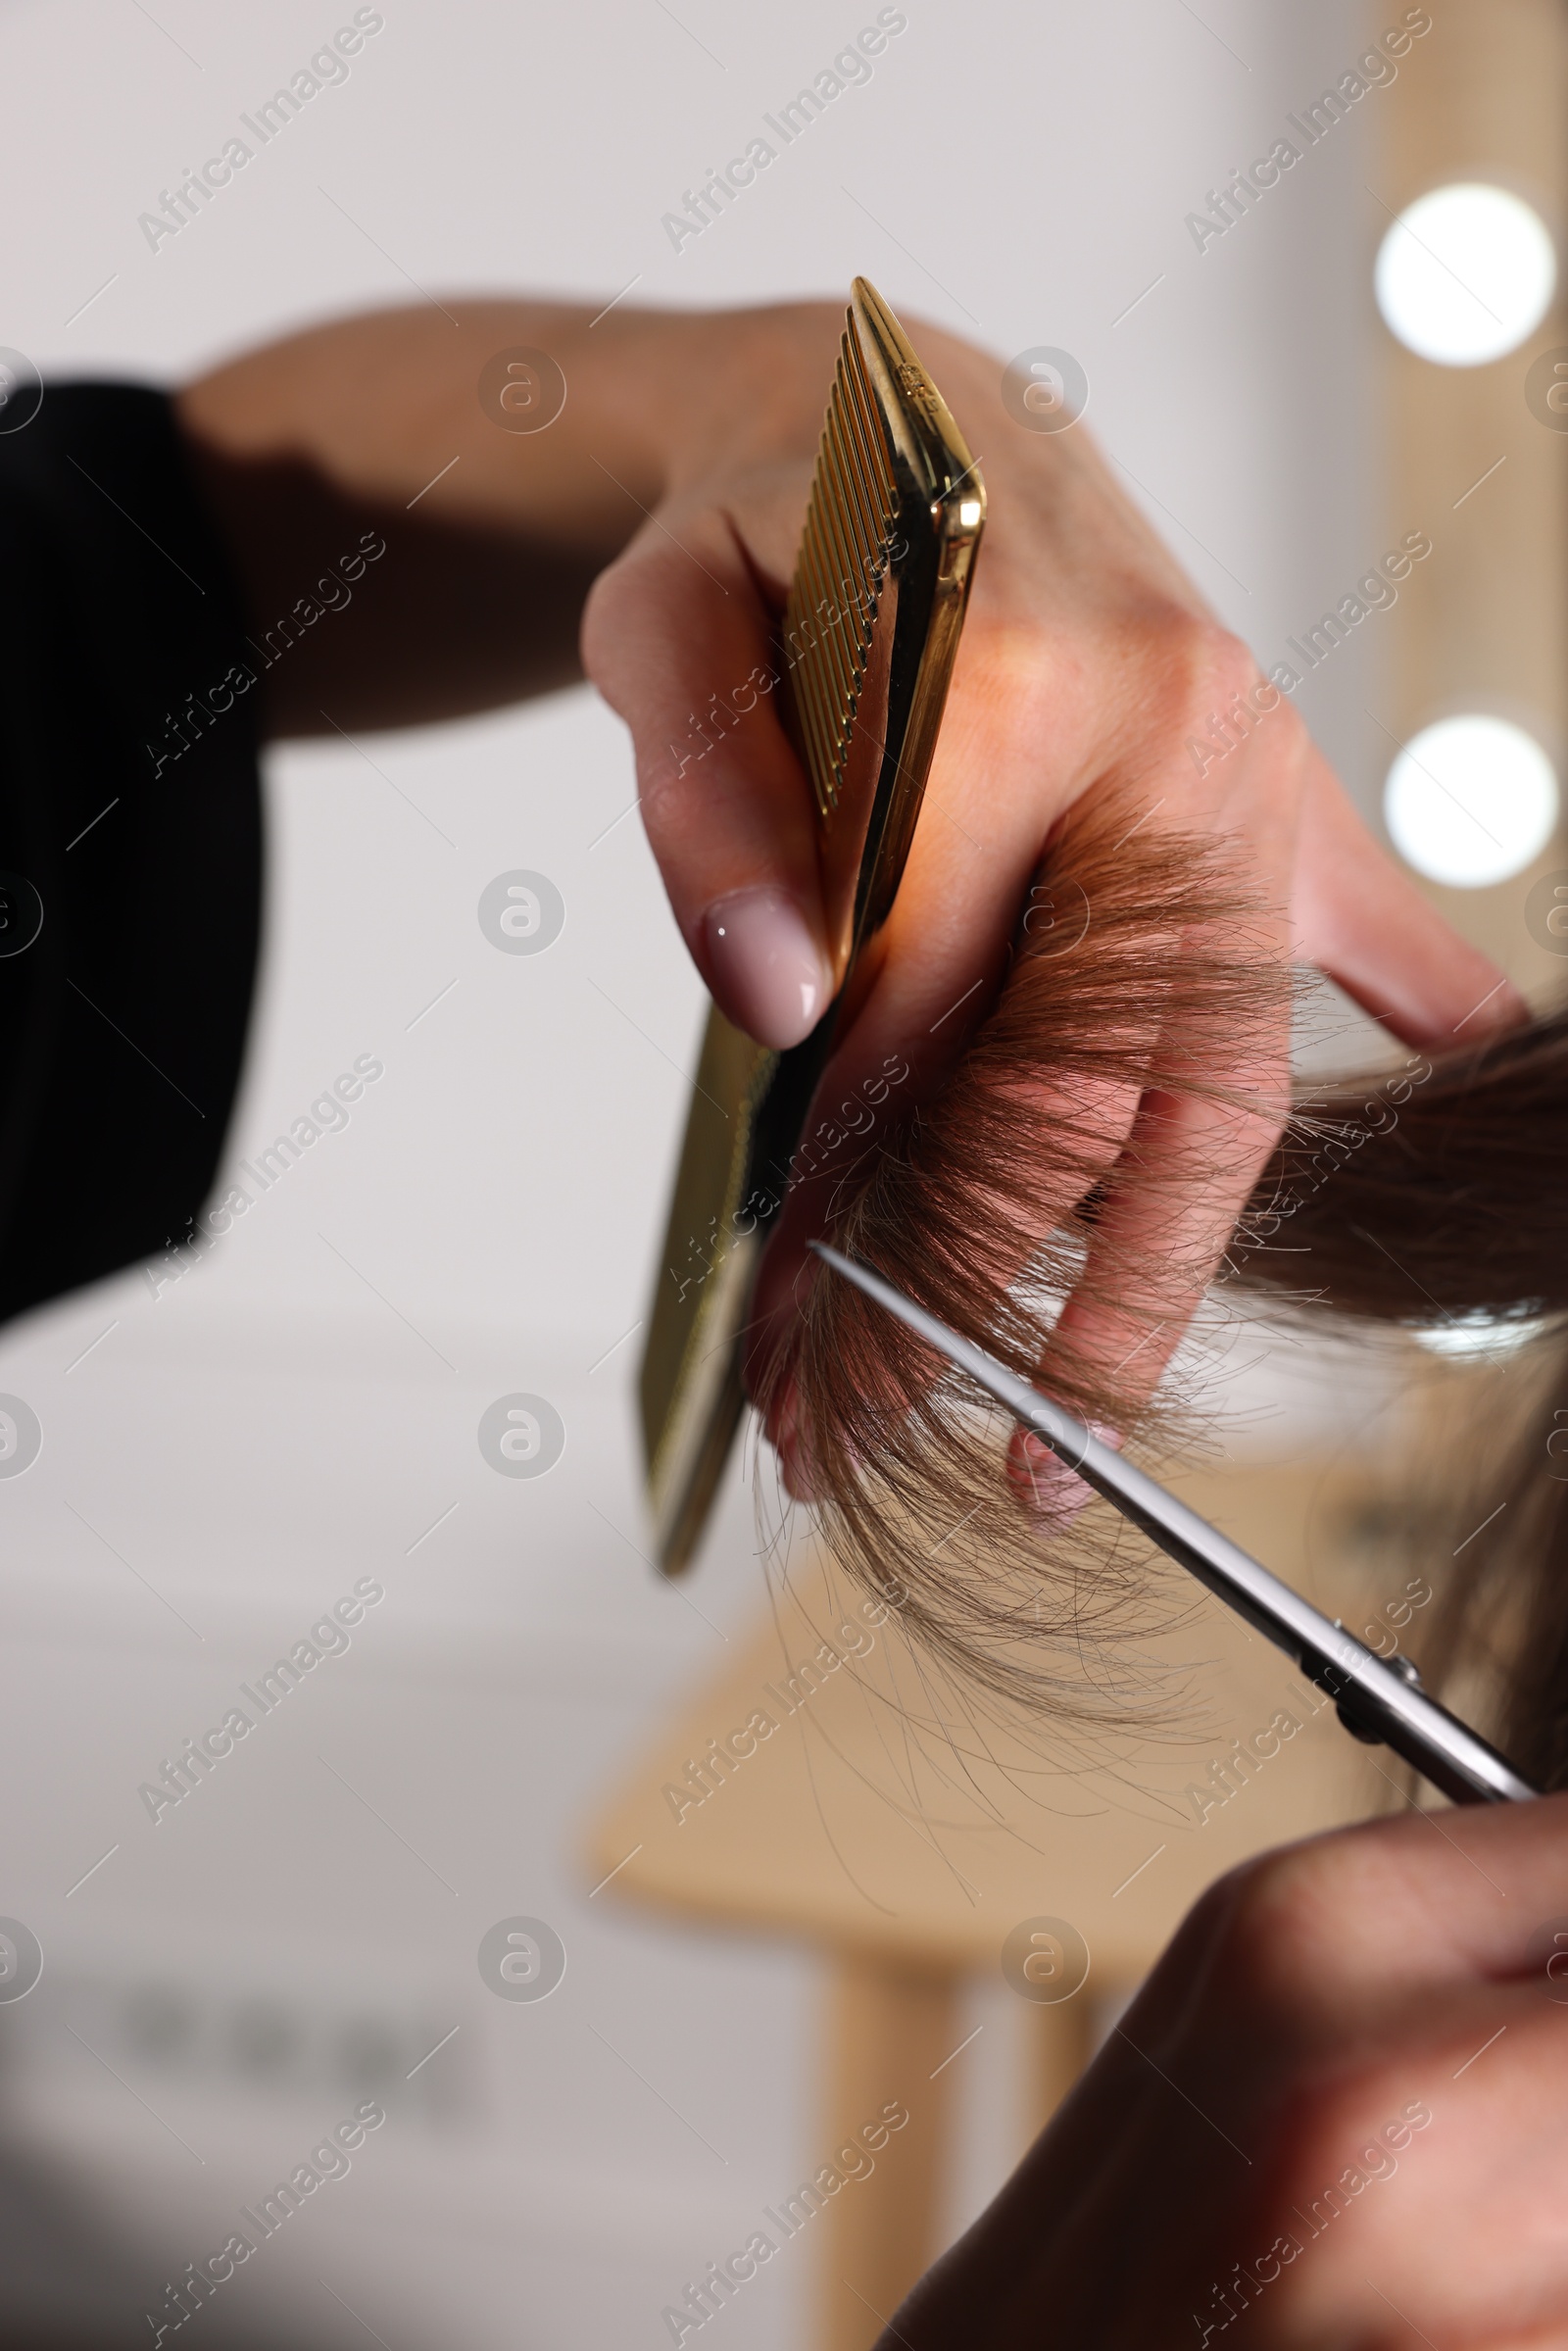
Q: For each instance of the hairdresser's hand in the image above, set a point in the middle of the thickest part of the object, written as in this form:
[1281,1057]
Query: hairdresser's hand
[677,474]
[1336,2106]
[1089,667]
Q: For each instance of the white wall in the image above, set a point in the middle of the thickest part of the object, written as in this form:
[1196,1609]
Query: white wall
[237,1451]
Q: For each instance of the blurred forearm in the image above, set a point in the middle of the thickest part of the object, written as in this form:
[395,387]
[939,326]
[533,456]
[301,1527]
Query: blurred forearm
[373,428]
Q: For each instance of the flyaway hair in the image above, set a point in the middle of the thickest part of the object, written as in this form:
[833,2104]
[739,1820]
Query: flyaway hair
[1412,1197]
[1136,961]
[1450,1212]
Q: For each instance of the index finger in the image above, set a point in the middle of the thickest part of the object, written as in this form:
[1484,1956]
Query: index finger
[1168,1209]
[677,637]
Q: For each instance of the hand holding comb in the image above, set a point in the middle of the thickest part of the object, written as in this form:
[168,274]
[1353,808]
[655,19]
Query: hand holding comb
[871,633]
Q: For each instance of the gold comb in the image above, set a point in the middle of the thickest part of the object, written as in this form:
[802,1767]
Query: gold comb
[870,632]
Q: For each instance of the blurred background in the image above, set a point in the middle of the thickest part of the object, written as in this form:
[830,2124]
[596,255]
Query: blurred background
[230,1446]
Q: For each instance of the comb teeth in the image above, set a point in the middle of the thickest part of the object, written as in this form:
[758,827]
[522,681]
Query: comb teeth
[843,564]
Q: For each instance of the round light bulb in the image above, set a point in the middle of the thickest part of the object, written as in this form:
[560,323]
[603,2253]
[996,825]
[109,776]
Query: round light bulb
[1465,274]
[1470,801]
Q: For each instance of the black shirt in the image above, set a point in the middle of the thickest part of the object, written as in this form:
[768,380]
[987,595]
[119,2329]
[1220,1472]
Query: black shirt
[130,819]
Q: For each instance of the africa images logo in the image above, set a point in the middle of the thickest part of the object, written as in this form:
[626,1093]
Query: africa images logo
[719,188]
[180,205]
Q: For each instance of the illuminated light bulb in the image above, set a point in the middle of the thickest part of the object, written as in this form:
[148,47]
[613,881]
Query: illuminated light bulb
[1470,801]
[1465,274]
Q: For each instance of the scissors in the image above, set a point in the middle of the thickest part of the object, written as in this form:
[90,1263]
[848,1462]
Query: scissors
[1380,1700]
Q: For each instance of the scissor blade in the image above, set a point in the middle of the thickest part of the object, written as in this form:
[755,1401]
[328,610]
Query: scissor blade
[1375,1700]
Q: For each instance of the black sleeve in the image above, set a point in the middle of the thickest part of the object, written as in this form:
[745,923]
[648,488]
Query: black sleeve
[130,842]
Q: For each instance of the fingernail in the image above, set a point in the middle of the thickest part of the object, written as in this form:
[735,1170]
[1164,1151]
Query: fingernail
[768,966]
[1050,1491]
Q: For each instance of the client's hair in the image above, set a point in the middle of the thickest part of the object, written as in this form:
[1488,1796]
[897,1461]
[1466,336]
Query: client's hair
[1454,1211]
[1413,1196]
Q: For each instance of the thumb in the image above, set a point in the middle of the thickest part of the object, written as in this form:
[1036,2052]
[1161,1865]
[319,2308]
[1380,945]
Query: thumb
[679,639]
